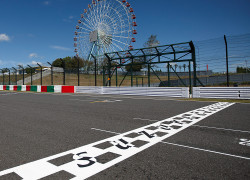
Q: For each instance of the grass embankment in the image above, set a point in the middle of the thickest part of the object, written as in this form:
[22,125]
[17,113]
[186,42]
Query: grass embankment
[89,80]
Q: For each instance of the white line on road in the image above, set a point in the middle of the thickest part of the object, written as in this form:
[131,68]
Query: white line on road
[216,152]
[190,147]
[235,130]
[105,131]
[145,119]
[209,127]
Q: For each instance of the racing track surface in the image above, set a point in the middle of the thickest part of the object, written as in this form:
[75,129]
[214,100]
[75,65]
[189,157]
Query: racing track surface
[34,126]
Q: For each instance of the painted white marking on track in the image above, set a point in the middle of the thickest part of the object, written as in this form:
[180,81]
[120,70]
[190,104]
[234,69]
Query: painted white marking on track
[145,119]
[235,130]
[122,146]
[105,131]
[216,152]
[244,142]
[7,93]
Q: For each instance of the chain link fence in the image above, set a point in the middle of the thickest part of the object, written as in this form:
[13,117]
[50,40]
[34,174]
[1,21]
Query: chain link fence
[223,61]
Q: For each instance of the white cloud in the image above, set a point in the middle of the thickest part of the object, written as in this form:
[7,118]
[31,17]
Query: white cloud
[4,37]
[46,3]
[31,35]
[69,19]
[1,62]
[35,63]
[61,48]
[33,55]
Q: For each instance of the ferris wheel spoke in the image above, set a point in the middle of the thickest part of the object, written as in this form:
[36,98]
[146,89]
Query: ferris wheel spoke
[122,37]
[85,29]
[128,31]
[108,24]
[119,47]
[88,23]
[120,42]
[83,33]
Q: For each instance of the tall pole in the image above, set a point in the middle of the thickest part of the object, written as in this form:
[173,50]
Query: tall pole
[95,73]
[41,73]
[31,71]
[190,81]
[226,60]
[116,76]
[63,64]
[95,68]
[9,75]
[15,74]
[191,44]
[3,75]
[109,69]
[23,72]
[51,68]
[78,70]
[168,74]
[148,75]
[131,74]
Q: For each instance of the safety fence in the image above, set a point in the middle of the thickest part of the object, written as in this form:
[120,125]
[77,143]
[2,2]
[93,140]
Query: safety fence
[222,92]
[140,91]
[178,92]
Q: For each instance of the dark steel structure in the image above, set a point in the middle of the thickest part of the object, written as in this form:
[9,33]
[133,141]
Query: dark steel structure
[167,54]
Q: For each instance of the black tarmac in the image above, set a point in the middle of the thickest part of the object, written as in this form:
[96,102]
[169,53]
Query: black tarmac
[37,125]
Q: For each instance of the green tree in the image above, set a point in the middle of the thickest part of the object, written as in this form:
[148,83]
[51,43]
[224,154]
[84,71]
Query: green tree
[57,63]
[28,70]
[135,67]
[175,67]
[184,67]
[151,42]
[70,62]
[4,70]
[88,66]
[242,70]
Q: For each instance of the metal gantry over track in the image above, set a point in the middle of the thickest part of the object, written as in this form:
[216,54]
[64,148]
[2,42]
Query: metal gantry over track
[148,57]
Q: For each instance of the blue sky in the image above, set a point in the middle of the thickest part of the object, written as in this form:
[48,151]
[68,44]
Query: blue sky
[43,30]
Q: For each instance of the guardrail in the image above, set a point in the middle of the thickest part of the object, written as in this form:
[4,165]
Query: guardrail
[143,91]
[222,92]
[179,92]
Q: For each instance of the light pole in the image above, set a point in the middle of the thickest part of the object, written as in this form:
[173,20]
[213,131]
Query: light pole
[3,75]
[15,74]
[23,72]
[41,73]
[51,68]
[31,71]
[9,74]
[63,64]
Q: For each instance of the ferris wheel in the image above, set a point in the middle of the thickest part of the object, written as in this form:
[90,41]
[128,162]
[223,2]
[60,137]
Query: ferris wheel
[105,26]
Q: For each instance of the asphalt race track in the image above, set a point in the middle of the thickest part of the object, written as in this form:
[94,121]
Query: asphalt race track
[55,136]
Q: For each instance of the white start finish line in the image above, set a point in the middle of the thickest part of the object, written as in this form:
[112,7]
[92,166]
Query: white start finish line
[88,160]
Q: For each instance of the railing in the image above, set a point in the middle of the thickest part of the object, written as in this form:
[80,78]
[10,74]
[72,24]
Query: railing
[222,92]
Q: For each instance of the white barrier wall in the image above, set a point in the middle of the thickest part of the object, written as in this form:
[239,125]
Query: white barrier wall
[11,87]
[141,91]
[222,92]
[1,87]
[23,88]
[57,88]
